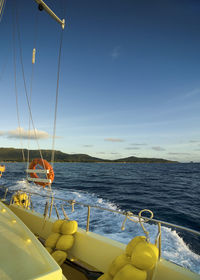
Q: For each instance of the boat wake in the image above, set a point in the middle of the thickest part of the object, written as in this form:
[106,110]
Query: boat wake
[109,224]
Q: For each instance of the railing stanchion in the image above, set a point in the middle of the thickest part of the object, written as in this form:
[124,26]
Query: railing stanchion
[159,239]
[32,206]
[131,216]
[51,206]
[46,208]
[57,214]
[88,219]
[5,194]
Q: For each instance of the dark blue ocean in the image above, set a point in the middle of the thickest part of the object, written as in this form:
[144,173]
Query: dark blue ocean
[171,191]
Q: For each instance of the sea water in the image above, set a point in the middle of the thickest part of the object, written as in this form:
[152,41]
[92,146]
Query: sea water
[171,191]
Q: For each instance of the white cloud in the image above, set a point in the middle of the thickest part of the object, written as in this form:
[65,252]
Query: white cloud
[179,154]
[158,148]
[115,52]
[191,93]
[113,140]
[138,144]
[87,146]
[132,148]
[25,134]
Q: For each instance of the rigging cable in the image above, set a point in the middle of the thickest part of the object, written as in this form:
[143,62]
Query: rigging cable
[2,7]
[56,103]
[63,8]
[31,83]
[16,91]
[25,87]
[3,70]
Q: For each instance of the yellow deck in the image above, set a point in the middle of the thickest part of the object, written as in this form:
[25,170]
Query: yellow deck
[97,251]
[21,254]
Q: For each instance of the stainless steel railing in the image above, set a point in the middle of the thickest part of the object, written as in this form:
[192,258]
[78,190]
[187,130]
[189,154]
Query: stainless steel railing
[139,218]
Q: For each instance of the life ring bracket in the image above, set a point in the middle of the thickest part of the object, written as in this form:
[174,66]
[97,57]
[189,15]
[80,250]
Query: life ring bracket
[47,169]
[41,171]
[39,180]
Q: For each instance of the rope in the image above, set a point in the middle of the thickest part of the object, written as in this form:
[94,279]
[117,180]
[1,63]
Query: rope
[29,99]
[64,213]
[3,70]
[143,219]
[57,213]
[2,7]
[31,85]
[25,87]
[56,103]
[16,91]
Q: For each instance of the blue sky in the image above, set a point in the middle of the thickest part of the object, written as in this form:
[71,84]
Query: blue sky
[129,84]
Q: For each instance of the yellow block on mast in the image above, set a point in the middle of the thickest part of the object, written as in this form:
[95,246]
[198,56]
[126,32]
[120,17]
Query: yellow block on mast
[33,56]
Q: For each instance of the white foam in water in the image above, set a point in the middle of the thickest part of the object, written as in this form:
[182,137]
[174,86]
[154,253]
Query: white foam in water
[109,224]
[78,194]
[175,250]
[100,200]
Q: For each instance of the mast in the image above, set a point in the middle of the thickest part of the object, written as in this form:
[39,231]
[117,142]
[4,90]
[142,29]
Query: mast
[42,5]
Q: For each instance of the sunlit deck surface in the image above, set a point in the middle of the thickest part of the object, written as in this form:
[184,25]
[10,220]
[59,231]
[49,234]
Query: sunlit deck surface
[22,256]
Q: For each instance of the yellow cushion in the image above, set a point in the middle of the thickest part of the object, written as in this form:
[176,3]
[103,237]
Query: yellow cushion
[65,242]
[50,250]
[59,256]
[105,276]
[69,227]
[129,272]
[130,246]
[144,256]
[57,226]
[52,240]
[117,264]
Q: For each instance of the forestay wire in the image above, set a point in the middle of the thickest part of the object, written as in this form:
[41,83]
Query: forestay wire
[56,103]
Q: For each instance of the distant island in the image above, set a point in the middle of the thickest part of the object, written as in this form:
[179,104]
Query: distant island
[15,155]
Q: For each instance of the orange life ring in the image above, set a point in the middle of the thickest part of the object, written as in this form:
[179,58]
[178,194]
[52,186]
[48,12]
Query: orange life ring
[45,165]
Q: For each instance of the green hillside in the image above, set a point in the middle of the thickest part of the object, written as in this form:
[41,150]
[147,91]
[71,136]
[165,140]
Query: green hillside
[11,154]
[15,155]
[143,160]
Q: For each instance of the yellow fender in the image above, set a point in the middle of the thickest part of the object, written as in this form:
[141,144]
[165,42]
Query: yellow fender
[21,199]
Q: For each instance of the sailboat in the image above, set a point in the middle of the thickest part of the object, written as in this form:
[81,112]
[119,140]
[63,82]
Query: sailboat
[38,246]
